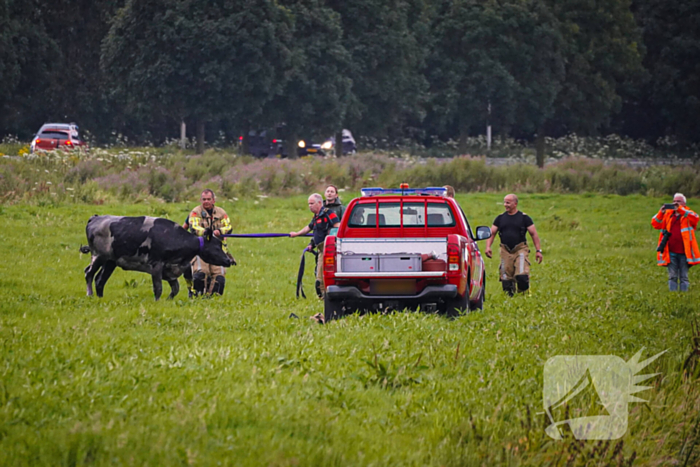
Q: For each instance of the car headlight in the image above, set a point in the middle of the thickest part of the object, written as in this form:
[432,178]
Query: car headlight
[327,145]
[302,144]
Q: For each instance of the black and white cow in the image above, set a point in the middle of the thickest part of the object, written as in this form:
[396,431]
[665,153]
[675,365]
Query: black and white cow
[159,247]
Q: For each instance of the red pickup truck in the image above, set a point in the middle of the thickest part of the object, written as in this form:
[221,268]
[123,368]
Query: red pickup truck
[403,248]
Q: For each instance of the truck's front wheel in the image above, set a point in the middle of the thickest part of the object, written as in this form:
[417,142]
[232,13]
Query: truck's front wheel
[479,303]
[332,310]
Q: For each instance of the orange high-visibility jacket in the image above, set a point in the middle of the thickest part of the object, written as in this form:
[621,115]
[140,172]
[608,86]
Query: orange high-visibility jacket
[689,221]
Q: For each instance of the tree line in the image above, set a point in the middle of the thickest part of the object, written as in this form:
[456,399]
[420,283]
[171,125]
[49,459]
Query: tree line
[396,69]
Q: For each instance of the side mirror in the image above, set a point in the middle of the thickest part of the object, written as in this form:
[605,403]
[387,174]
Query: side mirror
[483,232]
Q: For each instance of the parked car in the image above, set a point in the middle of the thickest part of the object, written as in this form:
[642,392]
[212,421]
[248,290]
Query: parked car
[56,136]
[306,147]
[261,143]
[404,248]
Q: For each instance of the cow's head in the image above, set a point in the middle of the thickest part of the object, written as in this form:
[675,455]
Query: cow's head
[213,253]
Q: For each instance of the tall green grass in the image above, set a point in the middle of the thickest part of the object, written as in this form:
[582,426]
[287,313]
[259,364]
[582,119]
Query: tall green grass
[128,175]
[234,381]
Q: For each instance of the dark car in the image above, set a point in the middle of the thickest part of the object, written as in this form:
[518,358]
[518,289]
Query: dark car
[261,143]
[56,136]
[328,146]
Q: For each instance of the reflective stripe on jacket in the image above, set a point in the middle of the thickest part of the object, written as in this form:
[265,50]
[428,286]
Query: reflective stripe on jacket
[689,221]
[200,221]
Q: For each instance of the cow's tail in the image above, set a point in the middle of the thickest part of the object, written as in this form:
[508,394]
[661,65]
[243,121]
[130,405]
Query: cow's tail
[84,249]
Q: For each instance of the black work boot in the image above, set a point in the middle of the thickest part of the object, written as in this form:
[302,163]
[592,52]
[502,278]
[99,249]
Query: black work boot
[523,281]
[508,287]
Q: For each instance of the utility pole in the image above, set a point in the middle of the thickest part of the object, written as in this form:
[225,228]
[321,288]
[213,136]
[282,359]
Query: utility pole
[488,129]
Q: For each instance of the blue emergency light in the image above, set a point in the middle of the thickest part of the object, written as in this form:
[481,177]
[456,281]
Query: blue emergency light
[432,190]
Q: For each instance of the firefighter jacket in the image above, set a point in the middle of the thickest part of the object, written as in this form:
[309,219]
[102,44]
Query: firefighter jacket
[689,221]
[201,220]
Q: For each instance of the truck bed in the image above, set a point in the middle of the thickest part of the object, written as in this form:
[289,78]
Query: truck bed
[388,257]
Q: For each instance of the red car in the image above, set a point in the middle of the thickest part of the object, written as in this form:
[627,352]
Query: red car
[56,136]
[403,248]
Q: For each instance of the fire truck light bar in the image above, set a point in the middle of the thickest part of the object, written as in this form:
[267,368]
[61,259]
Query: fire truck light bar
[434,191]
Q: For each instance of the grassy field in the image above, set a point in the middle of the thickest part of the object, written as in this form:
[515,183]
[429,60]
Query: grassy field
[234,381]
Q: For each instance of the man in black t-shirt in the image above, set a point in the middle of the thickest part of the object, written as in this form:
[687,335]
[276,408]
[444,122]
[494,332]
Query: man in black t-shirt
[512,227]
[321,224]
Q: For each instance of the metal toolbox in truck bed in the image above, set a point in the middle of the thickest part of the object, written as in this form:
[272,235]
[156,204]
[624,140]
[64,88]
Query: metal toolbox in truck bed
[399,262]
[359,263]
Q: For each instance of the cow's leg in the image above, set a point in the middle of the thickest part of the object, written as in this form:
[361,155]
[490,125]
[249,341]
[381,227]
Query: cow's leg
[157,277]
[174,288]
[95,264]
[188,280]
[103,276]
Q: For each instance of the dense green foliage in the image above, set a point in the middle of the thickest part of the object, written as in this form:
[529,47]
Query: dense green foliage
[495,64]
[317,90]
[198,61]
[234,381]
[384,68]
[670,94]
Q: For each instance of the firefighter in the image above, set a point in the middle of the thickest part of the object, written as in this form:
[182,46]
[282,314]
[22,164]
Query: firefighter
[678,248]
[208,278]
[512,227]
[321,224]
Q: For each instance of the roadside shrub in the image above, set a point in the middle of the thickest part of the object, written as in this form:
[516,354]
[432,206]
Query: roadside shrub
[618,180]
[12,146]
[84,171]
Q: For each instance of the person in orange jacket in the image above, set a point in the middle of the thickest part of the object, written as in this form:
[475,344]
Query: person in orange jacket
[678,247]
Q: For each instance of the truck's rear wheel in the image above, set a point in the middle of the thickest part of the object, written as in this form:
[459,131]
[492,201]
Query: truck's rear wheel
[332,310]
[457,304]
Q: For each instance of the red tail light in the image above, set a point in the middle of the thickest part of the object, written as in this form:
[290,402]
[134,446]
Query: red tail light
[37,141]
[453,257]
[274,141]
[69,142]
[329,255]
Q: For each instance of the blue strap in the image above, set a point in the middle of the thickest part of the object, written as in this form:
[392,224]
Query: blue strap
[302,266]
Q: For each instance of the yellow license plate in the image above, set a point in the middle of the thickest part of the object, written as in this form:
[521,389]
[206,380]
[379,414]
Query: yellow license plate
[392,287]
